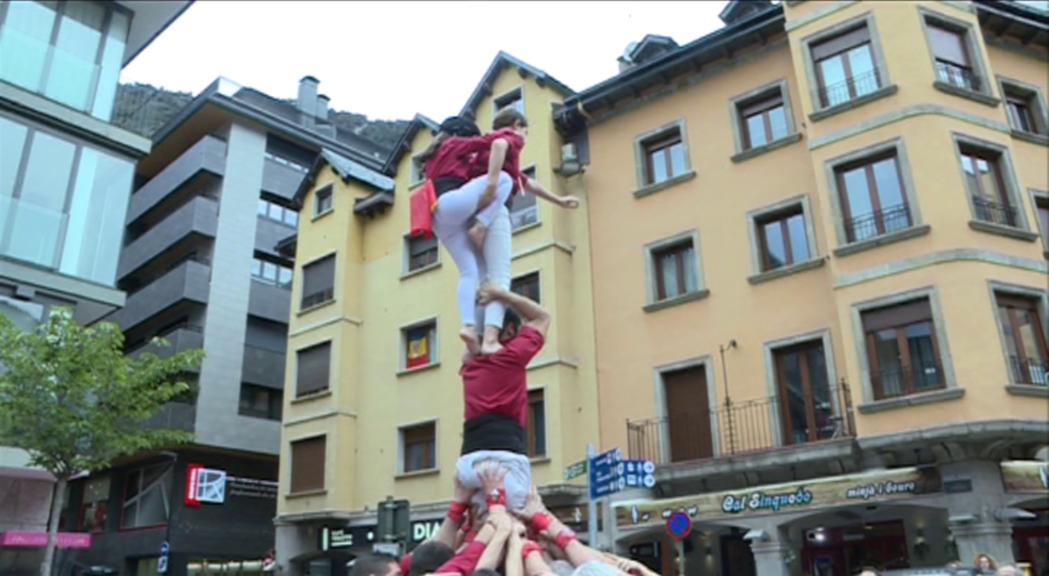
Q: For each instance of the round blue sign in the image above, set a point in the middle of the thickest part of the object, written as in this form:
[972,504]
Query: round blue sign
[679,526]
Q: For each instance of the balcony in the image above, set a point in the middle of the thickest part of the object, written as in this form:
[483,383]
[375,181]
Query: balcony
[200,216]
[994,212]
[209,155]
[849,89]
[263,367]
[269,302]
[959,76]
[279,178]
[1027,371]
[751,427]
[269,233]
[179,340]
[904,380]
[189,280]
[878,223]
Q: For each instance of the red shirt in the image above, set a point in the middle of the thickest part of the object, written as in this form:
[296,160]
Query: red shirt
[496,384]
[467,158]
[465,561]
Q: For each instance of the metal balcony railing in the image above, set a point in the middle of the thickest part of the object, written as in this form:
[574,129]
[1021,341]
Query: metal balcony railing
[1027,371]
[734,428]
[994,212]
[879,222]
[956,75]
[904,379]
[848,89]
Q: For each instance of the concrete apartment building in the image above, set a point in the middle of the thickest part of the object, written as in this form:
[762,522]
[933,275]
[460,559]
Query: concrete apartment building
[809,280]
[373,401]
[200,266]
[65,177]
[820,285]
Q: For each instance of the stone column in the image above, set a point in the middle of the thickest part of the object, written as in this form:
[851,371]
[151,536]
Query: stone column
[769,557]
[981,537]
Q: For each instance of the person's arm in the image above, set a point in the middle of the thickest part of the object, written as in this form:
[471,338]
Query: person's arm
[534,315]
[466,560]
[551,528]
[496,159]
[536,188]
[493,552]
[454,519]
[514,564]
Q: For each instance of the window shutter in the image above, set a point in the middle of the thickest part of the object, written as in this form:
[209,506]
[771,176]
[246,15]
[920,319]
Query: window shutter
[840,43]
[897,315]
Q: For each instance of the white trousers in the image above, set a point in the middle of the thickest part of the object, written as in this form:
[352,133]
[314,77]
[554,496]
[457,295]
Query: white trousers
[517,483]
[455,209]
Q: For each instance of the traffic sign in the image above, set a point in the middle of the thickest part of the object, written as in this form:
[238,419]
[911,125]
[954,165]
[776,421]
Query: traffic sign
[679,526]
[162,561]
[610,473]
[575,470]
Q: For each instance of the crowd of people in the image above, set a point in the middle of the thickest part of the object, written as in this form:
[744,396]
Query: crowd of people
[496,522]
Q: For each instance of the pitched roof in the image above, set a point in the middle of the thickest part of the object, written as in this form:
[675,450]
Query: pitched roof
[404,142]
[502,59]
[346,169]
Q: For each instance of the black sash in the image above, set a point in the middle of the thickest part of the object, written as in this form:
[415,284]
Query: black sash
[494,432]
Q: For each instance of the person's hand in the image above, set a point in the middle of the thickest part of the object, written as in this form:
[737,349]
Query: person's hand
[461,494]
[500,520]
[533,505]
[569,202]
[488,293]
[491,475]
[630,566]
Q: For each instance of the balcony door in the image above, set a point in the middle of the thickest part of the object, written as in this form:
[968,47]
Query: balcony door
[688,414]
[806,406]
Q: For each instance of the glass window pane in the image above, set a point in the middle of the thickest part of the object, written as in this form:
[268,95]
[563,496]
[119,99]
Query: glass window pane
[988,181]
[822,402]
[1026,326]
[269,271]
[256,268]
[668,267]
[291,217]
[263,207]
[775,248]
[832,71]
[890,374]
[691,274]
[862,65]
[799,241]
[276,212]
[778,120]
[285,276]
[112,61]
[756,130]
[12,142]
[1043,219]
[795,398]
[887,179]
[38,217]
[96,217]
[677,159]
[72,73]
[924,366]
[972,182]
[659,166]
[25,41]
[857,193]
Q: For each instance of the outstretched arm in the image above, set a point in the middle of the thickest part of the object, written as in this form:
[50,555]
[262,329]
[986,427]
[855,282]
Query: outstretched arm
[536,188]
[534,315]
[496,158]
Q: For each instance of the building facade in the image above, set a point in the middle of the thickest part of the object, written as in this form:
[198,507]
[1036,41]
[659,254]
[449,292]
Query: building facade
[201,269]
[820,285]
[373,400]
[65,177]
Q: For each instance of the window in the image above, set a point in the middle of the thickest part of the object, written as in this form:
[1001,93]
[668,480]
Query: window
[664,157]
[71,52]
[420,345]
[322,201]
[872,197]
[94,507]
[422,252]
[902,349]
[418,174]
[763,120]
[286,162]
[527,286]
[1041,206]
[260,402]
[805,403]
[986,186]
[1025,341]
[278,213]
[318,282]
[675,271]
[512,99]
[312,367]
[55,212]
[783,239]
[536,424]
[419,448]
[1023,104]
[951,55]
[146,497]
[271,273]
[845,67]
[307,464]
[523,209]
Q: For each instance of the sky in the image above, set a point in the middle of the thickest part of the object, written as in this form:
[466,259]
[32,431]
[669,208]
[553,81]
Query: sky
[391,60]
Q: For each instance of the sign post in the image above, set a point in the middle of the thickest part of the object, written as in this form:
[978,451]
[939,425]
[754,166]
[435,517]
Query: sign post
[591,506]
[679,526]
[609,473]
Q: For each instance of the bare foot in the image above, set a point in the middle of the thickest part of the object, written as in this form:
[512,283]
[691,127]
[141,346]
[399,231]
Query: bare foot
[469,337]
[477,234]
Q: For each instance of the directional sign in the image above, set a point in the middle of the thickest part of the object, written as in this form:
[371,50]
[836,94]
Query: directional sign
[575,470]
[609,474]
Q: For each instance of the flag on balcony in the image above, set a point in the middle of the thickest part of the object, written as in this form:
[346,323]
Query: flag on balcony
[418,349]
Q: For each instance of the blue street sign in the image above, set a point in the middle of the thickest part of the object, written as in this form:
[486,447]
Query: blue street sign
[679,526]
[162,561]
[610,473]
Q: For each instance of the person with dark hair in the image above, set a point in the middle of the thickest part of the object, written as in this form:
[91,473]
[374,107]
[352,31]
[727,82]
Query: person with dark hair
[495,391]
[429,556]
[375,565]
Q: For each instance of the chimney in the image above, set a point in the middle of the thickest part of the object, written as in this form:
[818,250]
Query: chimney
[322,107]
[307,102]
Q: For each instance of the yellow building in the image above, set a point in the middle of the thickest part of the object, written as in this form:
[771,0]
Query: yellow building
[819,288]
[373,398]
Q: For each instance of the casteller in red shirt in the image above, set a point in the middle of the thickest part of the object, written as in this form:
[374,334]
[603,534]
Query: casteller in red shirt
[496,391]
[461,159]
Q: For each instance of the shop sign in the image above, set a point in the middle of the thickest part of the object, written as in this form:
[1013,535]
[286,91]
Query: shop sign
[425,529]
[204,485]
[332,538]
[73,540]
[1025,476]
[871,487]
[251,487]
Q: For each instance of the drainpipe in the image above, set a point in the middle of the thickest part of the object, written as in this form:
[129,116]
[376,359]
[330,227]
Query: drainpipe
[728,399]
